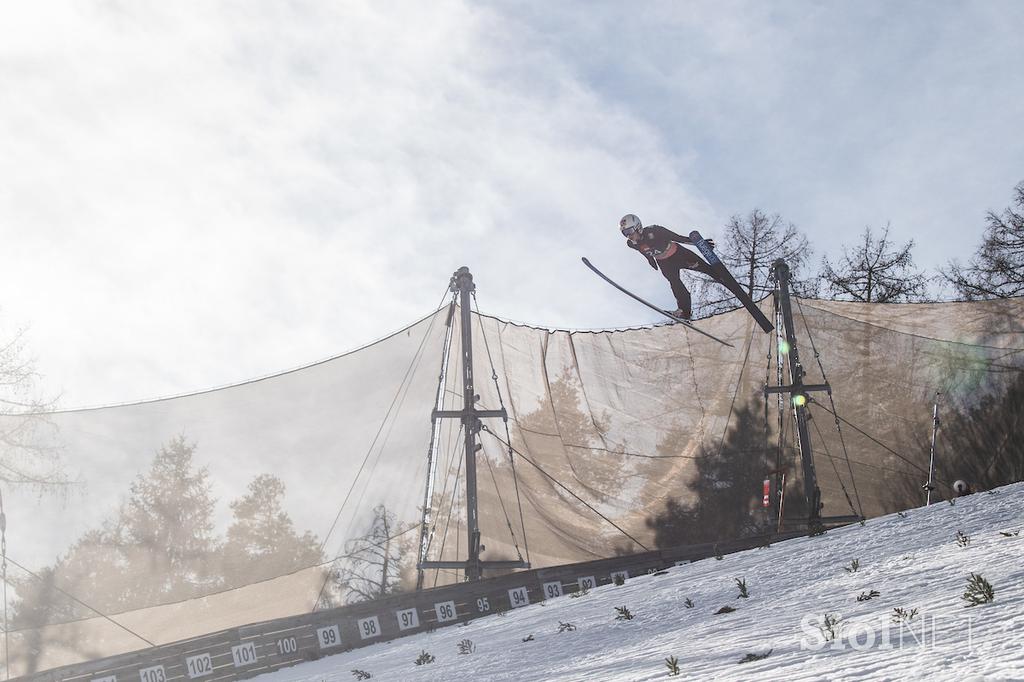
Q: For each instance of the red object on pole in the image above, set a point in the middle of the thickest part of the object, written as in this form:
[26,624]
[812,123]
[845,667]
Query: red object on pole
[767,502]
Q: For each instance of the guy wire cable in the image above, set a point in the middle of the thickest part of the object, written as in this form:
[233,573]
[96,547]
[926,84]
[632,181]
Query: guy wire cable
[380,429]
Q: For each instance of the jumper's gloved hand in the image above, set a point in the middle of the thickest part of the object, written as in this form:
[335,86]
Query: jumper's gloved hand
[710,242]
[653,263]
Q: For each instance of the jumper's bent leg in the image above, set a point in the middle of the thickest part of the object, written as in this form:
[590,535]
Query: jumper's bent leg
[683,300]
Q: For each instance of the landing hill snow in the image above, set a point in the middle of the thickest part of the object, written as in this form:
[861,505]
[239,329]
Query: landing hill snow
[919,562]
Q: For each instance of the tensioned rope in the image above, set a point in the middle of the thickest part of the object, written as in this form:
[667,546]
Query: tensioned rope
[387,436]
[832,461]
[736,393]
[81,603]
[451,449]
[398,393]
[511,458]
[565,488]
[384,421]
[839,430]
[451,507]
[501,503]
[455,447]
[447,474]
[879,443]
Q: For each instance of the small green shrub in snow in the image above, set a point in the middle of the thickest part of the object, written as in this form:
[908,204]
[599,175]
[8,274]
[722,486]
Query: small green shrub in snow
[979,591]
[901,615]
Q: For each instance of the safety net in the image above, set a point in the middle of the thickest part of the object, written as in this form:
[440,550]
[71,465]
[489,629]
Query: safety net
[152,522]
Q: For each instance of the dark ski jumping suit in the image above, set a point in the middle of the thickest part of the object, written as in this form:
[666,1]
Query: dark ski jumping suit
[659,245]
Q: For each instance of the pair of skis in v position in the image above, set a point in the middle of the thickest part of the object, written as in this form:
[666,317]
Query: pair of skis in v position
[723,276]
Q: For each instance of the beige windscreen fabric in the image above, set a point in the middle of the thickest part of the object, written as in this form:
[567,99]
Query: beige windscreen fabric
[611,431]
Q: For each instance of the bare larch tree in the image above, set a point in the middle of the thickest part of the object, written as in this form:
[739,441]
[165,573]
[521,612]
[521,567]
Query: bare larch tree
[874,271]
[997,268]
[372,565]
[748,248]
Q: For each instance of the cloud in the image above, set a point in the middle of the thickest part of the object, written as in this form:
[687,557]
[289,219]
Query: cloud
[194,193]
[200,192]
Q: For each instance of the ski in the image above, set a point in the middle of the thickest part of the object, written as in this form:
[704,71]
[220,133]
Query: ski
[726,278]
[652,306]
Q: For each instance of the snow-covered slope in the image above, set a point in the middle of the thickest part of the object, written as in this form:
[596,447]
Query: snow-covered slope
[913,562]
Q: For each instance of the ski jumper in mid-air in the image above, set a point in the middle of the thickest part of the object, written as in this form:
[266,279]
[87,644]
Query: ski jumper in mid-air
[664,252]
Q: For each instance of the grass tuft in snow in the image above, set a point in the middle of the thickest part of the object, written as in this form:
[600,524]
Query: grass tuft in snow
[724,609]
[901,615]
[831,625]
[466,647]
[361,674]
[688,603]
[853,567]
[565,627]
[741,583]
[868,596]
[673,666]
[962,539]
[624,613]
[424,658]
[528,638]
[979,591]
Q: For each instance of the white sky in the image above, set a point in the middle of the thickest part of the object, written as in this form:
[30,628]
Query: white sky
[195,193]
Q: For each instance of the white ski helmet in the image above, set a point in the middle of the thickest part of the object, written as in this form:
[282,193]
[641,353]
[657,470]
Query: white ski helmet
[630,225]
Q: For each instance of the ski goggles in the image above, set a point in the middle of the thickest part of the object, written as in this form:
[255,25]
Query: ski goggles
[630,231]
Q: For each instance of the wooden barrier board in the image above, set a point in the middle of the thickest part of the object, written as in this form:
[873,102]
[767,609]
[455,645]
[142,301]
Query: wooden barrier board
[250,650]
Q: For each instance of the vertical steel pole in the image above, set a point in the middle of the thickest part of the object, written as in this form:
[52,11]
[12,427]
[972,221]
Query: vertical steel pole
[426,534]
[471,423]
[930,485]
[796,376]
[780,460]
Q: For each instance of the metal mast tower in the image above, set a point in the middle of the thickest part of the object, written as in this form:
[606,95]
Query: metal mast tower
[798,391]
[462,285]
